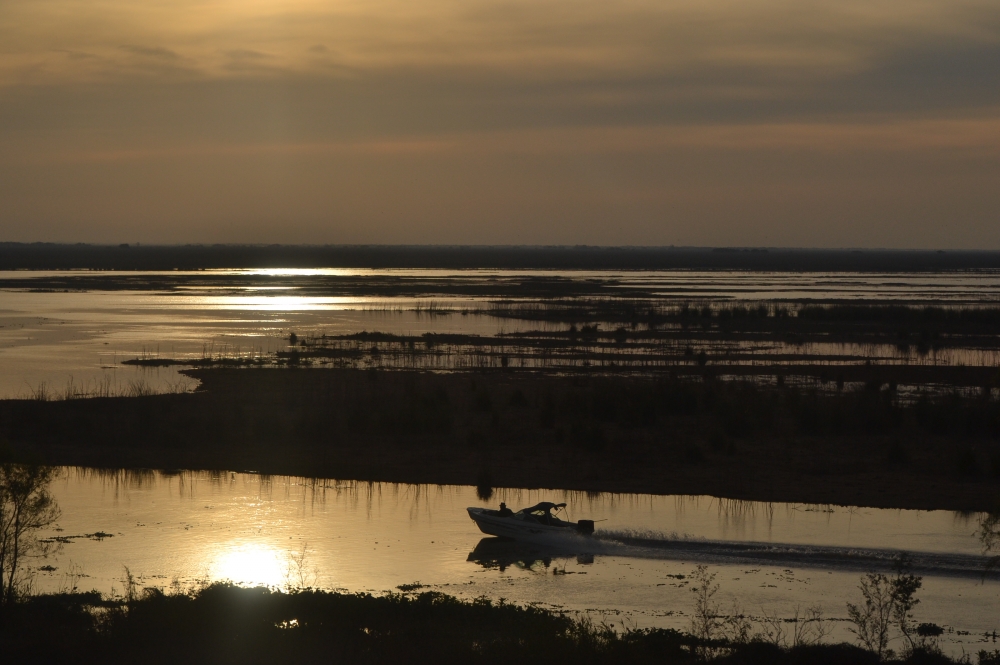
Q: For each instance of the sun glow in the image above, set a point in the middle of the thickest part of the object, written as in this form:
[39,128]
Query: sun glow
[251,564]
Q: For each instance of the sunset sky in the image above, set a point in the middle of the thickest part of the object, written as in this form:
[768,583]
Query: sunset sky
[775,123]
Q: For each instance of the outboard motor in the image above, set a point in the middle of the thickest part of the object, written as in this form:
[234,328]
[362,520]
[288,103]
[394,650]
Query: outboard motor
[585,526]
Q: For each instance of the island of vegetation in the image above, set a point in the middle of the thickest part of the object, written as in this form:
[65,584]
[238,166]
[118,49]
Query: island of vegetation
[663,435]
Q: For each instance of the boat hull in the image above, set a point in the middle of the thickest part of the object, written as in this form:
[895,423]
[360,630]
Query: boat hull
[510,527]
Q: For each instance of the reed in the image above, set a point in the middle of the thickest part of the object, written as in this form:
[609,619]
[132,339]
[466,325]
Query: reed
[223,623]
[106,386]
[663,434]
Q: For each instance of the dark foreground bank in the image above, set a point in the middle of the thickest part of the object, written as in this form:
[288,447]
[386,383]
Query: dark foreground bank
[499,429]
[227,624]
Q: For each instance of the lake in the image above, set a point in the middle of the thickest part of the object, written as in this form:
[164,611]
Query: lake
[74,340]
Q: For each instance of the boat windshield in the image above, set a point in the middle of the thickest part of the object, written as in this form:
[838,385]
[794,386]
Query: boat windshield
[543,508]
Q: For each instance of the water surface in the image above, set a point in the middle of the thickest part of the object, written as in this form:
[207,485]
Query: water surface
[76,340]
[180,530]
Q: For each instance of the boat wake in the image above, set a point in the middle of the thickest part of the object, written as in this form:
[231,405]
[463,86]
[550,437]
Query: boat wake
[645,544]
[682,547]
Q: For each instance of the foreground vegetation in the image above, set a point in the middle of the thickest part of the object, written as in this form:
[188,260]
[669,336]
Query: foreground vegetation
[670,435]
[26,507]
[223,623]
[228,624]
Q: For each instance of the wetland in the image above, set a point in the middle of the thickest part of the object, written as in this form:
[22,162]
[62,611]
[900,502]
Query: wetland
[284,429]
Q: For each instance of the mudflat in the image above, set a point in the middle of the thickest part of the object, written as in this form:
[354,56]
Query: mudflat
[627,434]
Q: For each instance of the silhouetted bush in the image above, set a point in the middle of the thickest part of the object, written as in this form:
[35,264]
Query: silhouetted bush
[482,401]
[224,624]
[517,399]
[484,485]
[966,463]
[896,454]
[588,436]
[693,454]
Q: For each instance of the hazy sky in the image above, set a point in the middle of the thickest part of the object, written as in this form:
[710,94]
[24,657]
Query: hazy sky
[782,123]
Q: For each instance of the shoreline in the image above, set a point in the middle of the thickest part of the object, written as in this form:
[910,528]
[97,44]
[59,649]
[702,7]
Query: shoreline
[223,623]
[622,435]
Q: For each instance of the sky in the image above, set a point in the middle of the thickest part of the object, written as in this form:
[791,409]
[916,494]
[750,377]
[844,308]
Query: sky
[799,123]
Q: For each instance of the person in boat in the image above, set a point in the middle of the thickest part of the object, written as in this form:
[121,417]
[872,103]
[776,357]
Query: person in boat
[504,510]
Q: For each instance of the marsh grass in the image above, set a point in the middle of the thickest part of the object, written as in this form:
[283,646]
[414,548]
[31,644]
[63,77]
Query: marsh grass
[832,347]
[670,434]
[222,623]
[227,624]
[594,350]
[107,386]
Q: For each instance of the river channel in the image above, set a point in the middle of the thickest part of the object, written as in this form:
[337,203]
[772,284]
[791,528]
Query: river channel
[176,531]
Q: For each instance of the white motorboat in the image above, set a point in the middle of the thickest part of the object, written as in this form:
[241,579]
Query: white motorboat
[529,523]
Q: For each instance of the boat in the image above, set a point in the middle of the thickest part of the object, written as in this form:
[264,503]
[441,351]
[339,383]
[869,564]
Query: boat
[528,523]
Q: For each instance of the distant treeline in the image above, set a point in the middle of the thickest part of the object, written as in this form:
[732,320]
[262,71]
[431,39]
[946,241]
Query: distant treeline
[52,256]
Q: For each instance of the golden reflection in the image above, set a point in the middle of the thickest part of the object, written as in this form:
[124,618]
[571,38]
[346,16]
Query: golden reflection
[308,272]
[251,564]
[278,303]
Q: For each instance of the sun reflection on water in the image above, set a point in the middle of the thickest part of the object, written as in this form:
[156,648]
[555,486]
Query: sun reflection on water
[258,303]
[250,564]
[306,272]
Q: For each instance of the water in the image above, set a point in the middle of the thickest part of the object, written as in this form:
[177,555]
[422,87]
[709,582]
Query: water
[76,340]
[177,531]
[56,338]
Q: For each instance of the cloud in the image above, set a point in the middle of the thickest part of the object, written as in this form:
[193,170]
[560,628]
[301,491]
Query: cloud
[973,137]
[246,54]
[718,116]
[151,52]
[529,40]
[77,55]
[543,61]
[941,74]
